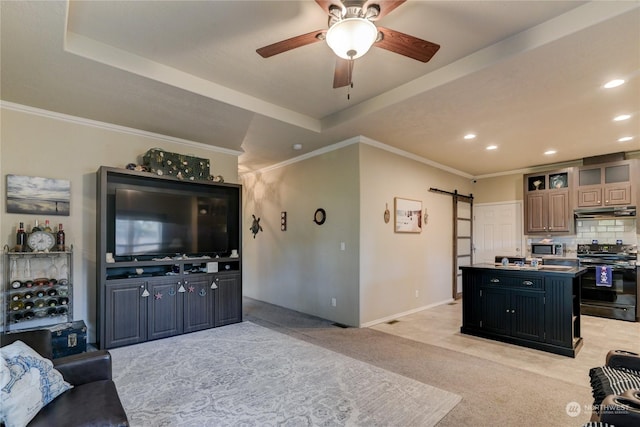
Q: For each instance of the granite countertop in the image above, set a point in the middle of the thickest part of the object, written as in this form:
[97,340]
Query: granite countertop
[541,269]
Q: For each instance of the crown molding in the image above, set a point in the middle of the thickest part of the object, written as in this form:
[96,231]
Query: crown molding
[114,128]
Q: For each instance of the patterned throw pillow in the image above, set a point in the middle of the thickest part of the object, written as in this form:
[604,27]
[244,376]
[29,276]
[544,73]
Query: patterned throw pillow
[28,382]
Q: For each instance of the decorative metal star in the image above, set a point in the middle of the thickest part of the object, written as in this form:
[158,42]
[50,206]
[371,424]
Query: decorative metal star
[191,289]
[158,295]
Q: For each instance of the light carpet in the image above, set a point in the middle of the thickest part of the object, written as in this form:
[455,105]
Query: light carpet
[248,375]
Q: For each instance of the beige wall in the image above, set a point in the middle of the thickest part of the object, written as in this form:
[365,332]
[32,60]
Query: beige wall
[36,145]
[303,267]
[378,274]
[505,188]
[394,266]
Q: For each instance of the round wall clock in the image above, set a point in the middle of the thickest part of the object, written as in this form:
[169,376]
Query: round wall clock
[320,216]
[40,241]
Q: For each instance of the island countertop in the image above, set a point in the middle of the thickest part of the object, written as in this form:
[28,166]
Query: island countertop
[568,271]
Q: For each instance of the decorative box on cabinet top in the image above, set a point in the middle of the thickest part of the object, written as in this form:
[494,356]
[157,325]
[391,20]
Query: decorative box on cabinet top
[181,166]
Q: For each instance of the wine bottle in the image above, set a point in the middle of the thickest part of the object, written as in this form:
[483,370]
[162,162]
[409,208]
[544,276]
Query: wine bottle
[52,292]
[29,315]
[21,239]
[60,238]
[62,310]
[40,293]
[16,297]
[28,305]
[28,295]
[36,227]
[47,226]
[16,317]
[39,303]
[16,284]
[52,302]
[16,305]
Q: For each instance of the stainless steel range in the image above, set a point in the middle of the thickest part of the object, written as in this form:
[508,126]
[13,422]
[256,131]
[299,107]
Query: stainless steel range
[610,287]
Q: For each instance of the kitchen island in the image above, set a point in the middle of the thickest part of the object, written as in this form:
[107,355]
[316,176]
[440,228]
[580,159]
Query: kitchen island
[535,307]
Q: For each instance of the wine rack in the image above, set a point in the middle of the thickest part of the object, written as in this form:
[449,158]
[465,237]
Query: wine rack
[38,289]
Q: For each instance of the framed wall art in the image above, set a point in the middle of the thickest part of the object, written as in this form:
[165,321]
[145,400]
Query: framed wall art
[38,196]
[408,215]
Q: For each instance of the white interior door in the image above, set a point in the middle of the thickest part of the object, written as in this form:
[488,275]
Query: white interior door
[497,230]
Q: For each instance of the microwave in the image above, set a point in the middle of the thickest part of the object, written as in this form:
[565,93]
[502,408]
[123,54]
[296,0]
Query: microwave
[540,249]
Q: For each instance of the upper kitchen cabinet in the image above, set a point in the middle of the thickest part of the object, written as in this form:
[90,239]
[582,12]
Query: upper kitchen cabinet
[547,206]
[608,184]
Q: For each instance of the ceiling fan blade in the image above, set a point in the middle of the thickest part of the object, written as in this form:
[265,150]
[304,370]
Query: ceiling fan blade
[386,6]
[326,4]
[343,73]
[292,43]
[406,45]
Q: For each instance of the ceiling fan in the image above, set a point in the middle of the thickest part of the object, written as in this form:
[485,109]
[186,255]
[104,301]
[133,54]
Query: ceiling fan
[351,32]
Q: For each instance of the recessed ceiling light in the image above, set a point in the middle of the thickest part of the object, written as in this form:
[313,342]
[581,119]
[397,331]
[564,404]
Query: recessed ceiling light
[297,146]
[550,152]
[625,139]
[492,147]
[470,136]
[613,83]
[622,117]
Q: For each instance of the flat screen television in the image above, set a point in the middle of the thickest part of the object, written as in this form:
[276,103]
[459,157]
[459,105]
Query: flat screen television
[160,223]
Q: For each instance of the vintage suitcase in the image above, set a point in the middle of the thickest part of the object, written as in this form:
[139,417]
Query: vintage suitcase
[68,338]
[180,166]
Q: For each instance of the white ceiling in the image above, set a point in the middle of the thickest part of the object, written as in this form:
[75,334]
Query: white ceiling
[523,75]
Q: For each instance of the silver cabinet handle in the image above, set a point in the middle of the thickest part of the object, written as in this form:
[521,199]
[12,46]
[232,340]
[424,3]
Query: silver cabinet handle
[527,283]
[495,280]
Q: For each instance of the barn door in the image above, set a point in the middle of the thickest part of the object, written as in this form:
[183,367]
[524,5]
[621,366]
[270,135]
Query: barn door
[462,239]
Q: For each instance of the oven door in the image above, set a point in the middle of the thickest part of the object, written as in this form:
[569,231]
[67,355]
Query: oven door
[617,301]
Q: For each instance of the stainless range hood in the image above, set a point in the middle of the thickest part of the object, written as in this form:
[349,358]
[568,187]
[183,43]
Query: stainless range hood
[608,212]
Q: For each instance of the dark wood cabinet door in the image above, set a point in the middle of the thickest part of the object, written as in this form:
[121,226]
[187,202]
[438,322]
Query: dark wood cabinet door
[126,315]
[495,310]
[199,304]
[537,212]
[229,299]
[527,315]
[164,309]
[617,195]
[559,215]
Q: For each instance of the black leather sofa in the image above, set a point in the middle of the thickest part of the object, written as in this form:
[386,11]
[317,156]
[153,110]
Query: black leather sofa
[616,390]
[93,400]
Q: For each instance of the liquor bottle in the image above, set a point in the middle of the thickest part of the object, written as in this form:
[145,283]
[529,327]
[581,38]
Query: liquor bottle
[60,238]
[21,239]
[36,227]
[47,226]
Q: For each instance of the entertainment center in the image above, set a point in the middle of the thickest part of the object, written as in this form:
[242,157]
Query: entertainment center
[168,258]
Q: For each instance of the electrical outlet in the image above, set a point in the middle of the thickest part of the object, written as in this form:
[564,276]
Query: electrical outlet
[343,246]
[333,302]
[417,293]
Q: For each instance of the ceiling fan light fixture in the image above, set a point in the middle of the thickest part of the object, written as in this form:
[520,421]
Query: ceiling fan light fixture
[352,37]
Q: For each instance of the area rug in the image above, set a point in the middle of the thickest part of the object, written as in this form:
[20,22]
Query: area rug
[248,375]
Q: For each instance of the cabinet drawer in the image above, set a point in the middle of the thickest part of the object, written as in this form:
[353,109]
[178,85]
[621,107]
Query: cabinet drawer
[513,281]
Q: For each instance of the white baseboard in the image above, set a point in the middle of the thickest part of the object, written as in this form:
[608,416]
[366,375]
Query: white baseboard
[404,313]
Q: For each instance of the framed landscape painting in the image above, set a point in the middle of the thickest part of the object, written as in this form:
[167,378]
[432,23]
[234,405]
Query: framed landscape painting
[38,196]
[408,215]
